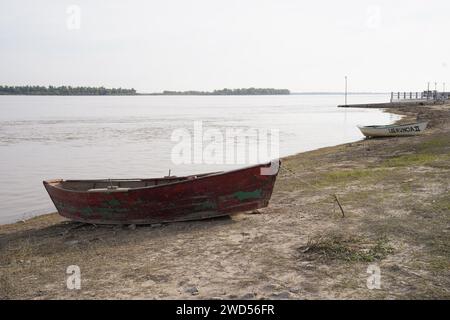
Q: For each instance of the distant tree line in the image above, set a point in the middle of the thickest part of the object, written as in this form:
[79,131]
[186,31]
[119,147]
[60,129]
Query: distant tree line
[64,91]
[229,92]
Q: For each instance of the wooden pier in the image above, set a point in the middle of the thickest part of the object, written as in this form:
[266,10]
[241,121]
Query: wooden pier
[388,104]
[419,96]
[406,99]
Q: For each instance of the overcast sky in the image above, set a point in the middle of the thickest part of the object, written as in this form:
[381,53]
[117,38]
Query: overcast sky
[209,44]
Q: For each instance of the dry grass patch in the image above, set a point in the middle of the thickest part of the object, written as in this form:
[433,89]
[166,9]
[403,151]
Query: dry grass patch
[346,248]
[6,288]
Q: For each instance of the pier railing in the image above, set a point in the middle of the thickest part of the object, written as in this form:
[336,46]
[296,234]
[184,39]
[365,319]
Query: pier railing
[419,96]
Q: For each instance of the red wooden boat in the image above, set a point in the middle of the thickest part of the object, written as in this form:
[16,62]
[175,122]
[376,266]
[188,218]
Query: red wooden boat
[168,199]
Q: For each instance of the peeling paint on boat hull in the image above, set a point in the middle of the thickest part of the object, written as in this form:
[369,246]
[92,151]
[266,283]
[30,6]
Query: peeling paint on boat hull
[208,196]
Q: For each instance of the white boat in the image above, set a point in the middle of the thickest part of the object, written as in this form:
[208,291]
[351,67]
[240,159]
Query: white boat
[409,129]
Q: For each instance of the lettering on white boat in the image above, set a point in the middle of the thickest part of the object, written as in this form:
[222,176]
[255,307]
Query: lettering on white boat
[405,129]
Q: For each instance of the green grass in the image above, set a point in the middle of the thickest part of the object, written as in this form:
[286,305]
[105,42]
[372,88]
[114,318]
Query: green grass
[419,159]
[439,264]
[358,196]
[345,176]
[352,249]
[430,151]
[435,145]
[442,204]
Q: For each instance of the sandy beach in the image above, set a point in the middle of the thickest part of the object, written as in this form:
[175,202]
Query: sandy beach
[395,193]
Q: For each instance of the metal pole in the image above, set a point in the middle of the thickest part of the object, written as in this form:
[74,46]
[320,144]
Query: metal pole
[428,91]
[345,90]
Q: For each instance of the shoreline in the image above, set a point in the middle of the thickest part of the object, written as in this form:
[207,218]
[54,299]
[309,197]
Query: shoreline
[298,248]
[34,213]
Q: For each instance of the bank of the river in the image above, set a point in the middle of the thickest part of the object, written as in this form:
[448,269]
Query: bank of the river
[395,194]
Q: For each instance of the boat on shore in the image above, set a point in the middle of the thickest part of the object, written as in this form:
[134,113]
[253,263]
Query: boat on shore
[167,199]
[409,129]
